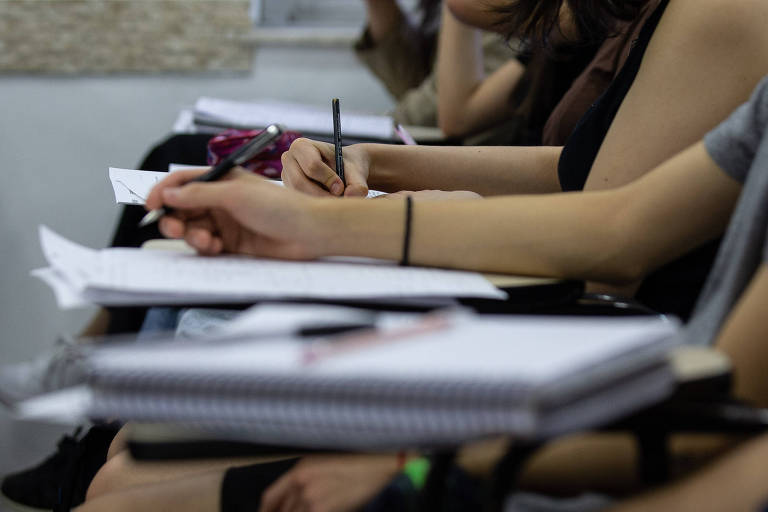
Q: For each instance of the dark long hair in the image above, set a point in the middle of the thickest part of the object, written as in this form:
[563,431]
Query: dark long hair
[430,13]
[533,21]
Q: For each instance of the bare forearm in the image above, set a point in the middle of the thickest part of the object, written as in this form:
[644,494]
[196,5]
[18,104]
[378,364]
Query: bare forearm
[531,235]
[383,16]
[469,101]
[736,482]
[485,170]
[614,236]
[459,70]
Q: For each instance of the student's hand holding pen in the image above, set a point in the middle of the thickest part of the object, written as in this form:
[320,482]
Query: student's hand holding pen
[242,213]
[309,167]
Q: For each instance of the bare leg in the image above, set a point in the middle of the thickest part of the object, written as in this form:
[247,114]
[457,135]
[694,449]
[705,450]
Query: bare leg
[121,472]
[118,444]
[607,462]
[735,483]
[194,493]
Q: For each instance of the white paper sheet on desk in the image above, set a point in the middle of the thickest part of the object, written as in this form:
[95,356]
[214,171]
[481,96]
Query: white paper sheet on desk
[67,296]
[294,116]
[119,276]
[132,186]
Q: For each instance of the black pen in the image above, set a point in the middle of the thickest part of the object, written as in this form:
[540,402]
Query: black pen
[337,139]
[239,157]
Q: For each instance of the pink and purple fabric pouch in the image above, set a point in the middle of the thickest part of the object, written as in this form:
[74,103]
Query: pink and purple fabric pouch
[267,163]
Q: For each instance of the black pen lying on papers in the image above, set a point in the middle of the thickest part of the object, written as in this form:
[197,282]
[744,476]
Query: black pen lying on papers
[239,157]
[362,338]
[309,333]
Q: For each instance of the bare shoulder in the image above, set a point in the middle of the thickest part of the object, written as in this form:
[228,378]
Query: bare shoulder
[718,23]
[716,37]
[704,60]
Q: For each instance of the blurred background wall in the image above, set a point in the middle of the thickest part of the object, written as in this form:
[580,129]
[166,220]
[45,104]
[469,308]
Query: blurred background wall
[88,84]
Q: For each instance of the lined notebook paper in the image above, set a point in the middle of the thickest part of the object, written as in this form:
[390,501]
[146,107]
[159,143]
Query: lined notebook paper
[119,276]
[439,379]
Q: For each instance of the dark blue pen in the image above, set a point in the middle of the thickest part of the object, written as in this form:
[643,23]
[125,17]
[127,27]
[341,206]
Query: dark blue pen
[337,139]
[238,157]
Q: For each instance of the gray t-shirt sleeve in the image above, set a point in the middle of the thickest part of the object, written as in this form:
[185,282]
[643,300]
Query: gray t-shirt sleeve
[733,144]
[765,248]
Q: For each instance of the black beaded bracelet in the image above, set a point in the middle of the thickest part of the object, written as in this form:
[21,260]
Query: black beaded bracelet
[407,235]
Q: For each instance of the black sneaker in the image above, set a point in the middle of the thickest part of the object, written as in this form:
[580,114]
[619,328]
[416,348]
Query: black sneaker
[60,481]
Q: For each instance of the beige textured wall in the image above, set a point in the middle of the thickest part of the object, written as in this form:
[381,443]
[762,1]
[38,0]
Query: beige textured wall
[74,36]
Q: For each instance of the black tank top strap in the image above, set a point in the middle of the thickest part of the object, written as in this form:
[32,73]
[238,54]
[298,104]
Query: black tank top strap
[582,146]
[674,287]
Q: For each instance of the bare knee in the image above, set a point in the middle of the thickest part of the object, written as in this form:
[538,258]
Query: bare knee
[118,444]
[110,477]
[113,503]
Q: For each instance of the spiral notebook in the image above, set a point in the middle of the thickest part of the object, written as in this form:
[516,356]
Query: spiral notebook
[433,381]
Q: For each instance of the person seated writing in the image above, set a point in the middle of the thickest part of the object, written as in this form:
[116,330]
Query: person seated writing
[693,44]
[633,127]
[682,204]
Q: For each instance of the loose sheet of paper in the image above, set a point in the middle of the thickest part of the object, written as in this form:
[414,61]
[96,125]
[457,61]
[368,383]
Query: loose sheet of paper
[175,273]
[135,276]
[67,295]
[133,186]
[371,193]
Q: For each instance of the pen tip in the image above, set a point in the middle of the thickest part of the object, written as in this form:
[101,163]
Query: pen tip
[150,217]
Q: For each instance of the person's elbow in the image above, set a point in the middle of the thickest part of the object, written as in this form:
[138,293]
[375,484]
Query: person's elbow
[620,264]
[453,124]
[617,248]
[632,251]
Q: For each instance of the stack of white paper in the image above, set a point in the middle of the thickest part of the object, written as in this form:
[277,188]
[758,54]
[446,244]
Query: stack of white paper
[294,116]
[117,276]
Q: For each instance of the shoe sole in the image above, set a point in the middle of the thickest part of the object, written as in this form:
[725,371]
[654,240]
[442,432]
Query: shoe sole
[10,505]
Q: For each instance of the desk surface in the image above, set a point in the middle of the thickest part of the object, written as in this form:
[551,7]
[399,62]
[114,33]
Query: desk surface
[694,363]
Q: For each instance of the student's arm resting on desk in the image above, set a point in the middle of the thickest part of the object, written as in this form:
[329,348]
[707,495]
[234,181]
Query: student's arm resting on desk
[614,236]
[467,100]
[308,167]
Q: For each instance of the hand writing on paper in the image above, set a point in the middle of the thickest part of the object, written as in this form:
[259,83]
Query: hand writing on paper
[308,166]
[242,213]
[330,483]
